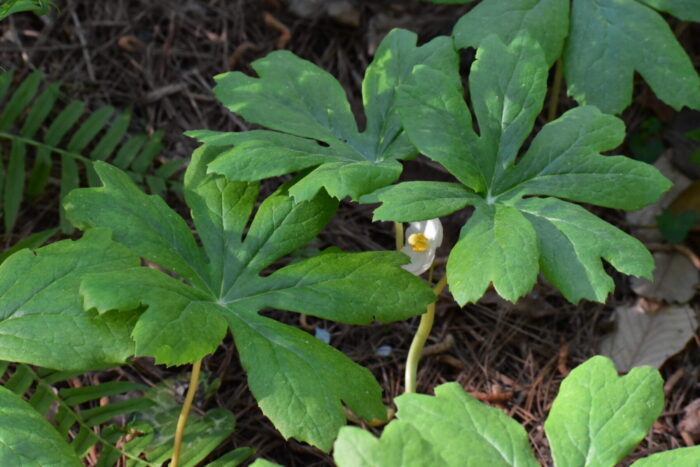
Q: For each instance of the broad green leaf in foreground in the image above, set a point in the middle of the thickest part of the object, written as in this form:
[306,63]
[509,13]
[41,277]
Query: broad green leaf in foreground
[312,124]
[450,429]
[42,320]
[596,419]
[298,381]
[599,417]
[27,438]
[519,228]
[608,40]
[683,457]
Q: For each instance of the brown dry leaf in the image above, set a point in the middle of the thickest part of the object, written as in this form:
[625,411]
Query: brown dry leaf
[691,420]
[688,199]
[644,218]
[648,338]
[675,279]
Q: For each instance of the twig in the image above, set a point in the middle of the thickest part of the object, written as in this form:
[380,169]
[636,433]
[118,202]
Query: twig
[274,23]
[440,347]
[562,367]
[494,398]
[83,43]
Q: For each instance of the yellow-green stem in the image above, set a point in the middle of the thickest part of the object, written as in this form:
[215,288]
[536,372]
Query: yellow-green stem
[398,232]
[419,340]
[185,412]
[556,90]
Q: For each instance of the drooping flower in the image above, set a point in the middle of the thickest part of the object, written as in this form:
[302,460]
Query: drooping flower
[422,240]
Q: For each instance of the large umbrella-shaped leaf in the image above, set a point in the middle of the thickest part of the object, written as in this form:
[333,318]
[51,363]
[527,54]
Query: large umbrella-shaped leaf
[300,383]
[521,225]
[312,124]
[608,41]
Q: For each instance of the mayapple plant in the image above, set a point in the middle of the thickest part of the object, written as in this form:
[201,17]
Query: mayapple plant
[142,282]
[514,232]
[599,45]
[520,225]
[596,419]
[179,311]
[312,125]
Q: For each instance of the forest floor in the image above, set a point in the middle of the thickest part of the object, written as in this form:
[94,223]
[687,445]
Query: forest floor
[158,57]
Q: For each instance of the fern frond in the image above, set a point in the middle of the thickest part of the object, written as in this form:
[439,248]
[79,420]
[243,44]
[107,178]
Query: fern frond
[78,412]
[37,125]
[79,415]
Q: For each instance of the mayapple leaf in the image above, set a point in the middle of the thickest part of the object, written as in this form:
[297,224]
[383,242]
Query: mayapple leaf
[611,39]
[300,382]
[564,160]
[572,242]
[687,10]
[501,241]
[681,457]
[150,228]
[418,201]
[599,417]
[42,320]
[608,40]
[518,228]
[312,124]
[596,419]
[451,429]
[173,311]
[27,438]
[547,21]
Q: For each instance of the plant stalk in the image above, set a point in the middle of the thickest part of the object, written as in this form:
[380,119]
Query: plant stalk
[420,338]
[398,233]
[556,91]
[185,412]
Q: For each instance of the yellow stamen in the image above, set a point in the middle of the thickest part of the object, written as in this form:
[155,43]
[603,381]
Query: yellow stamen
[418,242]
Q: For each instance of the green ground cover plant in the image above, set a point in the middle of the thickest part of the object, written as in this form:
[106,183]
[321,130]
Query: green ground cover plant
[144,281]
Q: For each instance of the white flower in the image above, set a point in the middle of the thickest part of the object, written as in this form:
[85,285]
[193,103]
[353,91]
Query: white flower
[422,239]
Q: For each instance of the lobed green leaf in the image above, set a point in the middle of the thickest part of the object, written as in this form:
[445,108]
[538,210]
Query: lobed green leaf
[299,381]
[27,438]
[547,21]
[314,127]
[451,428]
[417,201]
[517,229]
[42,320]
[599,417]
[610,40]
[680,457]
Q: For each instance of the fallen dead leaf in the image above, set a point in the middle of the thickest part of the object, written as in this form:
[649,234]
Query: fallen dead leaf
[648,338]
[643,219]
[691,421]
[675,279]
